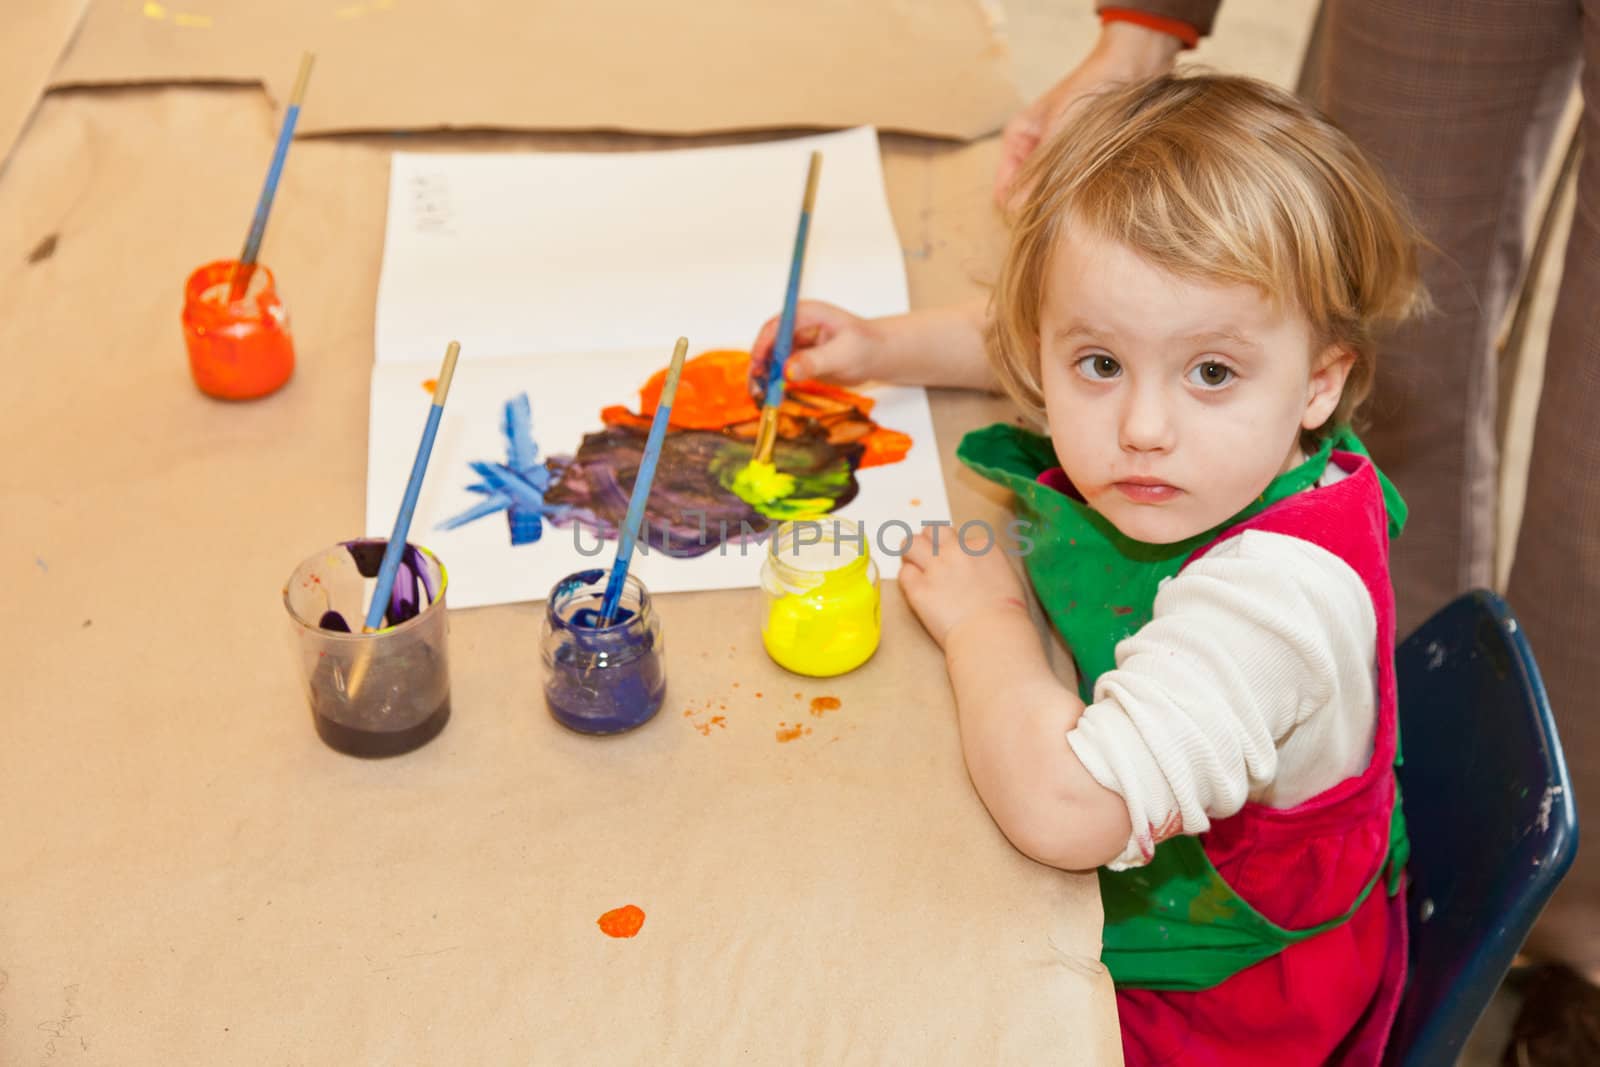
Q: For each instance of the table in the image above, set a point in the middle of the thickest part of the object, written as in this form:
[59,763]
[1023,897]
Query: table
[191,876]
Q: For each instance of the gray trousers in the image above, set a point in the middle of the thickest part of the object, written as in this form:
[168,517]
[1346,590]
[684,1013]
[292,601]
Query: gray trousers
[1458,102]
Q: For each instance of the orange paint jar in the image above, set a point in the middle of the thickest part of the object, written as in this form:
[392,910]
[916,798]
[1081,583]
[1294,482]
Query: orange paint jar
[239,349]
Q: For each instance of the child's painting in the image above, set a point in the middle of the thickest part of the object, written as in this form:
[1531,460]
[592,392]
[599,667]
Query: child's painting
[535,461]
[566,277]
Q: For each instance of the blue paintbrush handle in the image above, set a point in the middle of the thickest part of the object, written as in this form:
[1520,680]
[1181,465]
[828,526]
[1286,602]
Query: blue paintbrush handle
[783,344]
[630,524]
[641,485]
[402,522]
[258,225]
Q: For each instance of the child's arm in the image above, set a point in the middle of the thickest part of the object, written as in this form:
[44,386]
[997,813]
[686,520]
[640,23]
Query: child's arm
[1254,678]
[1014,712]
[939,347]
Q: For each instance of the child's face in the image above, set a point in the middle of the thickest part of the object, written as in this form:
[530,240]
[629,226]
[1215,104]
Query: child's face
[1173,402]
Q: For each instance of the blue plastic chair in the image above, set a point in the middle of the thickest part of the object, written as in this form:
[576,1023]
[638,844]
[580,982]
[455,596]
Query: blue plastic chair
[1490,811]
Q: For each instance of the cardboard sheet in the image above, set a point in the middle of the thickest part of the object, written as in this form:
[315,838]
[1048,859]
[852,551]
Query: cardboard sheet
[191,877]
[35,34]
[935,67]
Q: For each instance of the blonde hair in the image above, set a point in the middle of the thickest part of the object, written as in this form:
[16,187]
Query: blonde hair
[1225,179]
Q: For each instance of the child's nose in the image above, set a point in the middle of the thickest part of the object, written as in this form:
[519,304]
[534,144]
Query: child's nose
[1146,422]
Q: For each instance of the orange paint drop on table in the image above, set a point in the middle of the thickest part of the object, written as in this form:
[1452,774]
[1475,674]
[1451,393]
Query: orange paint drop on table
[625,921]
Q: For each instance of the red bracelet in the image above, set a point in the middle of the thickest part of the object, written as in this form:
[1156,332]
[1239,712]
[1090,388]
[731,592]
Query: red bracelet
[1186,34]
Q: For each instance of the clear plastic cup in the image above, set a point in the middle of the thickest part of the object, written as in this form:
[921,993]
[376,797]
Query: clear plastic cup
[377,694]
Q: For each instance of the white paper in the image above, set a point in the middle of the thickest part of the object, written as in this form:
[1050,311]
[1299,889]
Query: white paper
[569,277]
[551,253]
[566,395]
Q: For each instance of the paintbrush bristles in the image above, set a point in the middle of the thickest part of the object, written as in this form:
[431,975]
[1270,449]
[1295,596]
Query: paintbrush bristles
[766,435]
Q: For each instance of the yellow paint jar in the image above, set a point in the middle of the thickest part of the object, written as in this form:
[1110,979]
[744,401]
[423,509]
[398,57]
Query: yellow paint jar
[819,588]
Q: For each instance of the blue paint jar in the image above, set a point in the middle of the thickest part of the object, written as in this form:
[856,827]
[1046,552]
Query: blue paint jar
[601,679]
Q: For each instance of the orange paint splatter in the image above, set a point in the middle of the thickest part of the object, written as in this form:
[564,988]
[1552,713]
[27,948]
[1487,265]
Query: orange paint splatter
[758,694]
[820,706]
[719,721]
[916,502]
[799,696]
[430,385]
[736,685]
[712,395]
[625,921]
[789,733]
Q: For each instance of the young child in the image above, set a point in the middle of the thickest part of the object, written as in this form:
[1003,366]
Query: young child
[1189,303]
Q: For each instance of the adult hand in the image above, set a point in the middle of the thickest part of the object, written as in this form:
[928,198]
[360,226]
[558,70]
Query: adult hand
[1125,52]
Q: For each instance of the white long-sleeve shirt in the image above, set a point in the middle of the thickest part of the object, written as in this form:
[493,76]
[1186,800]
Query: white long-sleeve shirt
[1254,680]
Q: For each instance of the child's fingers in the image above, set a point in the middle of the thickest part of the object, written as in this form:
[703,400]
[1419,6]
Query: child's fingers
[761,358]
[919,551]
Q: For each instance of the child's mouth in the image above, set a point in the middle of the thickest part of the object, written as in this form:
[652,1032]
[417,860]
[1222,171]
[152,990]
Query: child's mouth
[1147,492]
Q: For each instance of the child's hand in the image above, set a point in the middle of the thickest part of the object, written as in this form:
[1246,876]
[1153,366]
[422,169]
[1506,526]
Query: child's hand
[829,343]
[951,585]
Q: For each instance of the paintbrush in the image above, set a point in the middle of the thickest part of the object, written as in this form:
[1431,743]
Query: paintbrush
[641,487]
[783,344]
[239,280]
[402,522]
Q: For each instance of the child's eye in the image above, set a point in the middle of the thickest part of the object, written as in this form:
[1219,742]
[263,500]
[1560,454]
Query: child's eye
[1099,367]
[1211,375]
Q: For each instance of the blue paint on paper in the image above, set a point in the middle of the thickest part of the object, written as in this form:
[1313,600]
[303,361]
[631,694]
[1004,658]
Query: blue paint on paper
[516,486]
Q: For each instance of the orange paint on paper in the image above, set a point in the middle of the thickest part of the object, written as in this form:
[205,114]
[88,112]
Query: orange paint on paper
[789,733]
[758,694]
[916,502]
[820,706]
[625,921]
[430,385]
[713,395]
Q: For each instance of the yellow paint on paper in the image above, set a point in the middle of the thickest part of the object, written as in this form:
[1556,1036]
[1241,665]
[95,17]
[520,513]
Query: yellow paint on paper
[153,10]
[194,22]
[762,483]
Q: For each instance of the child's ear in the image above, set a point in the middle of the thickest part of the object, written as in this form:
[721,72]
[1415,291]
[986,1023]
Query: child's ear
[1328,373]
